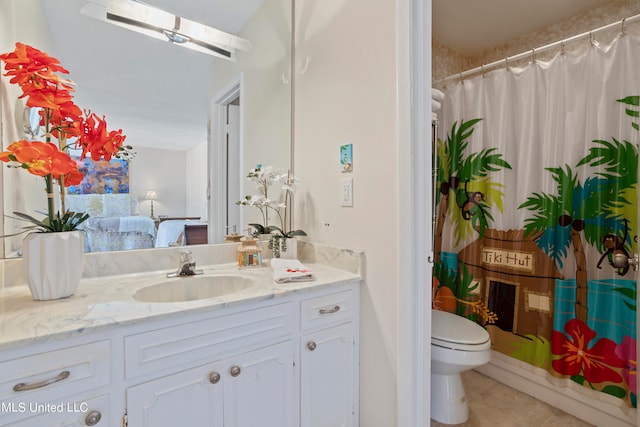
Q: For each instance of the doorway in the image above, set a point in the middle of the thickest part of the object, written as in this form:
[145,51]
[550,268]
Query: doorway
[225,160]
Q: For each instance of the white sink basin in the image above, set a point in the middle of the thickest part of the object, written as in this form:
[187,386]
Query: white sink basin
[191,288]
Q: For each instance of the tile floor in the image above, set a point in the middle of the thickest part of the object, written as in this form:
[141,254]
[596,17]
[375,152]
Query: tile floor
[492,404]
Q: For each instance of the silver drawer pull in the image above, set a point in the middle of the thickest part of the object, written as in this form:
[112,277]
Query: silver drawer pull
[311,345]
[93,418]
[24,387]
[330,310]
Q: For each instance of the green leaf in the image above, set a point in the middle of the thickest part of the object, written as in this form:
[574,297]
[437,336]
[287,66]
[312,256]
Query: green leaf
[630,100]
[614,390]
[578,378]
[632,113]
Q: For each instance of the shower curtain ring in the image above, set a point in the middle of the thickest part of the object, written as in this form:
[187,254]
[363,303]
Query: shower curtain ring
[591,39]
[482,69]
[533,56]
[562,48]
[623,29]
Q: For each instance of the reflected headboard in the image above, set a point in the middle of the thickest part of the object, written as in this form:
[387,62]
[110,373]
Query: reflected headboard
[178,218]
[195,234]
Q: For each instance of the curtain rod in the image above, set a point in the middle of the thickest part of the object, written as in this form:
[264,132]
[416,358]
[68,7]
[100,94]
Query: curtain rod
[506,60]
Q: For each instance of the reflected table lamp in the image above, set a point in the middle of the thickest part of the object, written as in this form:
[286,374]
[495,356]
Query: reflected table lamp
[151,195]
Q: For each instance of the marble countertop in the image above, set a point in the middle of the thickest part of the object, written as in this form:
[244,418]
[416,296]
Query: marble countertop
[107,302]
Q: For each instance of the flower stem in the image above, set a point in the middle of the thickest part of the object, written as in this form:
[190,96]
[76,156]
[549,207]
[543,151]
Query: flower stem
[62,145]
[48,181]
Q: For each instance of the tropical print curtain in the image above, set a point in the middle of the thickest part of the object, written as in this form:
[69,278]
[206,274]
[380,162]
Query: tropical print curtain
[537,213]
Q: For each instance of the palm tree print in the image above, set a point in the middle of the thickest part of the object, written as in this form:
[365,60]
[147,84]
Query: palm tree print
[466,181]
[562,218]
[603,205]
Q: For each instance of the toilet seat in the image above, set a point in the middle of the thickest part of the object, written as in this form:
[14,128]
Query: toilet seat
[458,333]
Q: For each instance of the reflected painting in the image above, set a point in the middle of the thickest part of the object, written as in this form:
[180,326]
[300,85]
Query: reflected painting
[102,177]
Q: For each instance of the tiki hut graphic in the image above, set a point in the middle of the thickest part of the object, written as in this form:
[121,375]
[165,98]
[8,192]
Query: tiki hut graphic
[516,280]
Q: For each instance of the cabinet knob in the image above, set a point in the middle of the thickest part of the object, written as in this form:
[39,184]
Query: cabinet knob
[235,371]
[93,418]
[214,378]
[311,345]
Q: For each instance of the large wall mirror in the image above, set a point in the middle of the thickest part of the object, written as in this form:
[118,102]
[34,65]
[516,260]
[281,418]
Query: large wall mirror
[197,123]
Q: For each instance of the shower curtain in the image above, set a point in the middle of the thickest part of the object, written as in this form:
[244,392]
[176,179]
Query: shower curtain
[537,212]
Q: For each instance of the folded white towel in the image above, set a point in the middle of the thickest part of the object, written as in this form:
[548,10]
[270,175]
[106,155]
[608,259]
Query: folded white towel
[437,95]
[435,105]
[290,270]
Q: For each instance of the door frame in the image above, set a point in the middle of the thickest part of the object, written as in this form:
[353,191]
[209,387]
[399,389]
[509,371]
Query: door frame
[217,167]
[415,257]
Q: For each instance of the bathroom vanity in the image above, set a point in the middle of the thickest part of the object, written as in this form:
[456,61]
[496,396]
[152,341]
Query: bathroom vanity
[264,355]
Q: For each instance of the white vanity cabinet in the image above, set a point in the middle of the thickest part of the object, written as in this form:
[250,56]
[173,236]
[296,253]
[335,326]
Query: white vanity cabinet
[328,361]
[247,380]
[284,365]
[287,360]
[250,389]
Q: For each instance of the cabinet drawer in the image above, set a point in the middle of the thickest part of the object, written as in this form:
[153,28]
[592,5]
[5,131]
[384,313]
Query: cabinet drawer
[47,376]
[326,310]
[177,346]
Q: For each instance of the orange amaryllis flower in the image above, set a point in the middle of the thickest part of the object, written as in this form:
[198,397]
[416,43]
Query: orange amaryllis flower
[32,68]
[39,158]
[29,155]
[74,177]
[96,141]
[65,121]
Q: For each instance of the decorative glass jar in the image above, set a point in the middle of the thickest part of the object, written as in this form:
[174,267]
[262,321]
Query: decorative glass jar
[249,253]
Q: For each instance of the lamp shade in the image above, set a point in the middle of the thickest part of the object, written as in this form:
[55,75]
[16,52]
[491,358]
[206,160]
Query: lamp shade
[151,195]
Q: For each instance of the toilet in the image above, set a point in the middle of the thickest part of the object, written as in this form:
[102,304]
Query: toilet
[457,345]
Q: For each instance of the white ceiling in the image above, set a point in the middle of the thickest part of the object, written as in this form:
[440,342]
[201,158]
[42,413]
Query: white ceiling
[157,92]
[471,27]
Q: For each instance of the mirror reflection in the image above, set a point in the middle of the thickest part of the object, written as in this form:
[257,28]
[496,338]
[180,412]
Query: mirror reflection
[197,123]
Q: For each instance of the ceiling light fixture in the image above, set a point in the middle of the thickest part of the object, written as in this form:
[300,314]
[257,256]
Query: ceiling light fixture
[162,25]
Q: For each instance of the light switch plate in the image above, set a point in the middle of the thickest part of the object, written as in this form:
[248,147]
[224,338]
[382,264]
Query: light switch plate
[346,192]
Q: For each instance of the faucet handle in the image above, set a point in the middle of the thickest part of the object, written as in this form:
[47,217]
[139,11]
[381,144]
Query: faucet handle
[185,256]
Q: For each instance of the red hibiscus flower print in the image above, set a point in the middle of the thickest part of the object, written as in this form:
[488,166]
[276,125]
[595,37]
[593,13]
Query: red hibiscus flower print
[577,358]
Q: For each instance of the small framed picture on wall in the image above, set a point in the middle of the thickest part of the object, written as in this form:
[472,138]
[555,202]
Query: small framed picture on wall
[346,157]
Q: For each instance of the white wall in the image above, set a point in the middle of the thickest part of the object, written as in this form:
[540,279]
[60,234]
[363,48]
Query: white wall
[196,181]
[163,171]
[348,94]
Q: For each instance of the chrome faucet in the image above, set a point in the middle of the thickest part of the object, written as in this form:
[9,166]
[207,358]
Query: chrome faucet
[187,266]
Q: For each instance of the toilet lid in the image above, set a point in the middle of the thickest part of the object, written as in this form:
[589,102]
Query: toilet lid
[456,329]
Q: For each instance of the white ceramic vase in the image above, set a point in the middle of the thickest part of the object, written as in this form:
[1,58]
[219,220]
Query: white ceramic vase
[292,248]
[53,263]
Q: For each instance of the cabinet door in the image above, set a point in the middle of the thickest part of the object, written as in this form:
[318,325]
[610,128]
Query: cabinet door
[327,377]
[188,398]
[259,388]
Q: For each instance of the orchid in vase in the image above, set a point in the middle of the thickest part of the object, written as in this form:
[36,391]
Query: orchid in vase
[264,177]
[36,73]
